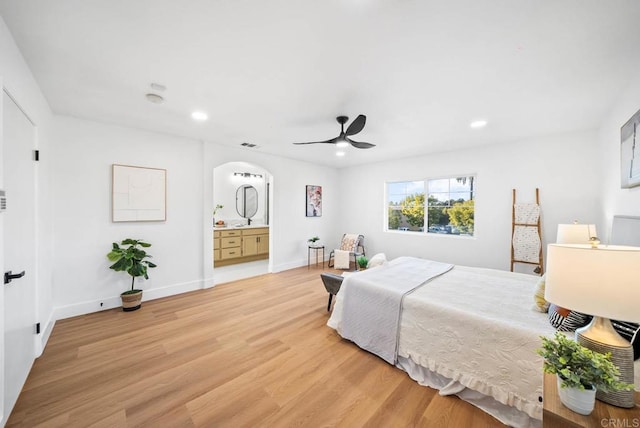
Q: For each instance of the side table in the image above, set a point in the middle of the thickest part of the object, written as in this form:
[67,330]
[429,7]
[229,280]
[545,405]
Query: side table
[556,415]
[317,249]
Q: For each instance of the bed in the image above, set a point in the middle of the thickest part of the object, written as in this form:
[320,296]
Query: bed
[466,331]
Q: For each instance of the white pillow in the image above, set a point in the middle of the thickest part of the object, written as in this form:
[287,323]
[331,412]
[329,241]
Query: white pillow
[377,260]
[341,259]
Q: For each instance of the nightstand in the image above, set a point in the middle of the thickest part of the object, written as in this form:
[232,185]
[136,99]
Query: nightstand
[556,415]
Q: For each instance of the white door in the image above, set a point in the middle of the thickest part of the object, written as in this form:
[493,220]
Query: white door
[19,249]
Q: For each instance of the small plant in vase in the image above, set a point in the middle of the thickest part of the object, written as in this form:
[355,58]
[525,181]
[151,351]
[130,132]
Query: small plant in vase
[215,210]
[363,262]
[580,372]
[313,241]
[129,256]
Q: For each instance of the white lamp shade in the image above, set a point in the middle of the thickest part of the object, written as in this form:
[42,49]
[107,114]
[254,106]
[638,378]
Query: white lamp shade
[575,233]
[602,281]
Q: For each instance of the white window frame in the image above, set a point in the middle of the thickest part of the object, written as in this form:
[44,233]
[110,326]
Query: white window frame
[424,230]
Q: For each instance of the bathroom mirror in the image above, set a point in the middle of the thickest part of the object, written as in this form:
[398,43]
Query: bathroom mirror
[247,201]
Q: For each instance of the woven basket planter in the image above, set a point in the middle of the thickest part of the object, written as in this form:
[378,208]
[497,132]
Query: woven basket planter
[131,301]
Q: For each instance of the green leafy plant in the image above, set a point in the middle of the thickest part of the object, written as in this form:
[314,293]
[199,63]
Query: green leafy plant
[129,256]
[218,207]
[579,367]
[313,239]
[363,262]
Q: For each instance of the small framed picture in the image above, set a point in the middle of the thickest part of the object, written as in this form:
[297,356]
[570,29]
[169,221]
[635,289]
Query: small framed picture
[630,152]
[314,201]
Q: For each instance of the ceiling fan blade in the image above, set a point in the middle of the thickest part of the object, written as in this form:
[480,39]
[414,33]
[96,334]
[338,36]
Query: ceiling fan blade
[331,141]
[357,125]
[360,145]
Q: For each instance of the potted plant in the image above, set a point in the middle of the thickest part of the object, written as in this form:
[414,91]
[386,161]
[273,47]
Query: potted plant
[129,256]
[215,210]
[362,262]
[580,372]
[313,240]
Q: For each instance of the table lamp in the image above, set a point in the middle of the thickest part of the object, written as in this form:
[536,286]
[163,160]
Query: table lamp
[604,282]
[575,233]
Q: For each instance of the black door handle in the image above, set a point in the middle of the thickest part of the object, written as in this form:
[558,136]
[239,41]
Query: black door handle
[8,276]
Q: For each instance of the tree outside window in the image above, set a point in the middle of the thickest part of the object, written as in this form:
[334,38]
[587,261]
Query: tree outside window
[405,201]
[449,207]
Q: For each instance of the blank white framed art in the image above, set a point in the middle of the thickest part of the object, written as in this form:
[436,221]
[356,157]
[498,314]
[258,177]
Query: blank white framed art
[138,193]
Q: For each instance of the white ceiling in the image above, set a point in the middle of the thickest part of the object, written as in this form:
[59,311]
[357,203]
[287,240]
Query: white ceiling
[276,72]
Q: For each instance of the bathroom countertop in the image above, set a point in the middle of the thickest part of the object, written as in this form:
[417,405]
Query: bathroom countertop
[253,226]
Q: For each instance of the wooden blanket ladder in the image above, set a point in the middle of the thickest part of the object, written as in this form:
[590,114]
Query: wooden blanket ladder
[526,235]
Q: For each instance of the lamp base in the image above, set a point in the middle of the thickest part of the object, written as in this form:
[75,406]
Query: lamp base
[600,336]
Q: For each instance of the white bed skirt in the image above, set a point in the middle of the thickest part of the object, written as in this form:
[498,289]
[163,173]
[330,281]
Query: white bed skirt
[506,414]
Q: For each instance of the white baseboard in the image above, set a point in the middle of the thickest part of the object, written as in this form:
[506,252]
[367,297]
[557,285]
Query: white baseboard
[172,290]
[88,307]
[220,276]
[298,263]
[45,333]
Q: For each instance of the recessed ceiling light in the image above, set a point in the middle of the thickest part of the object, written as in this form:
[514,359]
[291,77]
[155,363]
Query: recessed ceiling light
[154,98]
[200,116]
[340,153]
[342,144]
[478,124]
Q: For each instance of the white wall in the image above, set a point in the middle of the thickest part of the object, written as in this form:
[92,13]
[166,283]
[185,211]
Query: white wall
[563,167]
[182,246]
[83,155]
[615,200]
[290,228]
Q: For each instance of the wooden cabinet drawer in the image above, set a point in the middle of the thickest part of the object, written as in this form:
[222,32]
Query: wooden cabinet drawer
[230,253]
[256,231]
[216,233]
[216,243]
[228,233]
[231,242]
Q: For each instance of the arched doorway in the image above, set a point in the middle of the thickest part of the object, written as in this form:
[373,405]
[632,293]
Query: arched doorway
[239,242]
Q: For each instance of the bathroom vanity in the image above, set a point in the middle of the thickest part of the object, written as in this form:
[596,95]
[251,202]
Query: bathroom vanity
[232,245]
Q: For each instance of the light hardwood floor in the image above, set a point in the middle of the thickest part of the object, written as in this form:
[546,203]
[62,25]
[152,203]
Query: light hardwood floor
[253,353]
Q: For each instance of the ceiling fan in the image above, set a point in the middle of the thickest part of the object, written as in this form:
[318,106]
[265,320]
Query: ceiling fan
[343,139]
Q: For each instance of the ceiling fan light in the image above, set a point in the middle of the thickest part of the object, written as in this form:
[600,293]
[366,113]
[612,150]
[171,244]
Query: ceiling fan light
[342,144]
[154,98]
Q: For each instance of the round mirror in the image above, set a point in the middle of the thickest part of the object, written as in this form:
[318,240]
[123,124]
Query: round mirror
[247,201]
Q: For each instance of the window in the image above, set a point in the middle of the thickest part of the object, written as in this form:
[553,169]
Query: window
[406,205]
[449,208]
